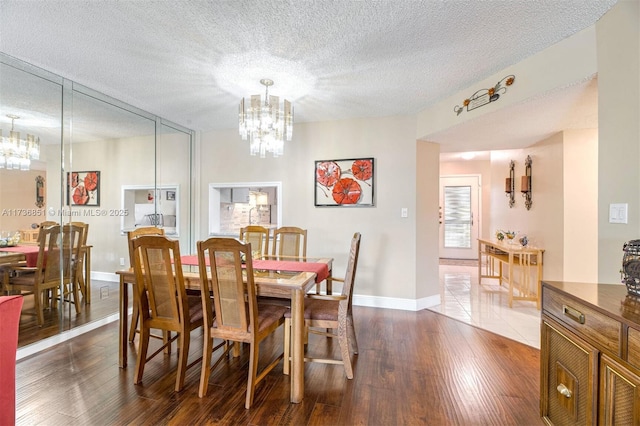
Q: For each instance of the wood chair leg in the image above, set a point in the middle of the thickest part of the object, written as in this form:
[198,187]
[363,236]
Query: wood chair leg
[134,319]
[253,372]
[142,355]
[205,371]
[352,334]
[286,366]
[344,350]
[76,296]
[183,356]
[37,296]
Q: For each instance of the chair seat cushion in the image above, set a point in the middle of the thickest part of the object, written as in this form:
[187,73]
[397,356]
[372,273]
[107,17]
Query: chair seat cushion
[195,308]
[267,315]
[317,309]
[270,314]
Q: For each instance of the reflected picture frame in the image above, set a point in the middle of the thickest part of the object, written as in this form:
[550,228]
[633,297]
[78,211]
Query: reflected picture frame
[83,188]
[344,182]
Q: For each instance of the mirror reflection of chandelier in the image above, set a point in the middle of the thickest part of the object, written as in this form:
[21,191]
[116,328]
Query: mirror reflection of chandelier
[16,153]
[266,125]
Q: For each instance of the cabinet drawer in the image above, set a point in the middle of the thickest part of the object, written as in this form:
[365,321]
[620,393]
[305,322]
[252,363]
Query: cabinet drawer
[603,331]
[568,388]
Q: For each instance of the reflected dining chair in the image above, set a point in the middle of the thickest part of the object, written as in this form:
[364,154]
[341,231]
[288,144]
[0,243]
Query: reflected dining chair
[258,236]
[331,312]
[163,302]
[147,230]
[237,316]
[81,282]
[290,241]
[55,268]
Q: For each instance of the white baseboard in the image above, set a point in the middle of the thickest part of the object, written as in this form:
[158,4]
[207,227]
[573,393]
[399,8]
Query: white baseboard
[395,303]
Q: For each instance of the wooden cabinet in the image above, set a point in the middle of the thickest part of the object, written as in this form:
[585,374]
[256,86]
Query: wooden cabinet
[589,355]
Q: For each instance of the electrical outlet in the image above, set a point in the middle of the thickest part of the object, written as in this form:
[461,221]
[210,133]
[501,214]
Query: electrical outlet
[122,261]
[104,292]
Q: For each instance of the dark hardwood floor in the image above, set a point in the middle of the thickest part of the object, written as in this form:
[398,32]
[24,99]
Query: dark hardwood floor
[55,322]
[414,368]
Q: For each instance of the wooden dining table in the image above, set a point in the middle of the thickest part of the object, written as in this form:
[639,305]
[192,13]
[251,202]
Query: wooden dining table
[273,278]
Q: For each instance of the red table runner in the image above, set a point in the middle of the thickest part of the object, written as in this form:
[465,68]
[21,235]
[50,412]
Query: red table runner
[30,253]
[320,269]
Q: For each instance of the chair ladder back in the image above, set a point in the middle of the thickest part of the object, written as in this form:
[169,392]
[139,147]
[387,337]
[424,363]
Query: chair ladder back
[352,264]
[162,289]
[258,236]
[138,232]
[48,263]
[290,241]
[235,302]
[72,236]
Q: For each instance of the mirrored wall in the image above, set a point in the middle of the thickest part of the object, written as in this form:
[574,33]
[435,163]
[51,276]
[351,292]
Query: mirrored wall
[92,150]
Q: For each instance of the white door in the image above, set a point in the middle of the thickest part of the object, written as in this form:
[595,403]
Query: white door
[459,216]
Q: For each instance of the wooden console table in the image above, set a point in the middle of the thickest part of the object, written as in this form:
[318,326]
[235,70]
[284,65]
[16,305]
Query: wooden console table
[528,260]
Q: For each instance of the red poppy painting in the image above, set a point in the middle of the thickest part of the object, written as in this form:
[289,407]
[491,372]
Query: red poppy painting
[346,183]
[83,188]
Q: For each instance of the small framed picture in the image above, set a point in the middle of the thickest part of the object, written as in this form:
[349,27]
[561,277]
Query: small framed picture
[344,183]
[171,195]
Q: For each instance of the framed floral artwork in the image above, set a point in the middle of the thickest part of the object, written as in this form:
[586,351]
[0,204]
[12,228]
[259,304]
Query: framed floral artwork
[344,183]
[83,188]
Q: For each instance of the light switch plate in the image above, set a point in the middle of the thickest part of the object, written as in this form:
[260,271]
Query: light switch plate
[404,212]
[618,213]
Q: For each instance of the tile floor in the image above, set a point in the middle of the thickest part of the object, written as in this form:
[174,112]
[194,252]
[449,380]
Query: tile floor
[486,306]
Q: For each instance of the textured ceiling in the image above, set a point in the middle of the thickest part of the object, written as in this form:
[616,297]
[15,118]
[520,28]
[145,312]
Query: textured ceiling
[191,61]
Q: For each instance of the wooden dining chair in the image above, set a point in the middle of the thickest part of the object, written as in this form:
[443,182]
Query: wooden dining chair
[148,230]
[237,316]
[81,282]
[258,236]
[290,241]
[54,268]
[163,302]
[322,311]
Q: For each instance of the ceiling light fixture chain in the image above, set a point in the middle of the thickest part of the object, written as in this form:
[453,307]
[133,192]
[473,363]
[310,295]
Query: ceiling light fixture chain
[266,125]
[16,153]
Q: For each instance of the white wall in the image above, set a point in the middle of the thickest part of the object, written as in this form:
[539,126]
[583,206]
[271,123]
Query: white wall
[618,132]
[543,223]
[387,264]
[580,178]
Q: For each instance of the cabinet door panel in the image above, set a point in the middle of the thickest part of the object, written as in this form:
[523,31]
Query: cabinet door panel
[619,403]
[568,377]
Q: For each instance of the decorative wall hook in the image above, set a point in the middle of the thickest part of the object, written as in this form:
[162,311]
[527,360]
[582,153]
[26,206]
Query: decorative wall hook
[509,184]
[525,183]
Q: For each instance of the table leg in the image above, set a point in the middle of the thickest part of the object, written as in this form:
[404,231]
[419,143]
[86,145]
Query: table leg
[510,279]
[124,321]
[297,346]
[87,274]
[480,262]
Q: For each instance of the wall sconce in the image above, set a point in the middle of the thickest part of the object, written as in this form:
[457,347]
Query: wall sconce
[525,183]
[509,185]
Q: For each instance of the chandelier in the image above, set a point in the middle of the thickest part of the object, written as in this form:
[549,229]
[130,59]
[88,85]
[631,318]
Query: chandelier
[16,153]
[266,125]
